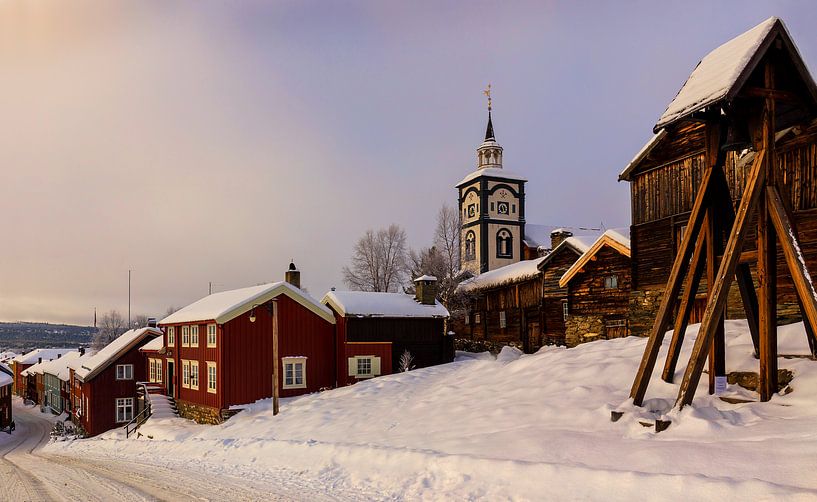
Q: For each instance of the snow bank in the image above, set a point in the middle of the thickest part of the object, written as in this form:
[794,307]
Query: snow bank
[532,427]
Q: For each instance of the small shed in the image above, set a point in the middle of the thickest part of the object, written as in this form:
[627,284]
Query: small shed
[598,290]
[375,330]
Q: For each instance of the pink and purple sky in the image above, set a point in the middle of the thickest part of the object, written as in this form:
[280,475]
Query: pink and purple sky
[198,142]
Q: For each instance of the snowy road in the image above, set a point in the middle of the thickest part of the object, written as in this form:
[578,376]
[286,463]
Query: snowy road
[27,474]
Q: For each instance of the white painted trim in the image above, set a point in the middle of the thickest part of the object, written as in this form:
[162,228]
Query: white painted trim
[293,360]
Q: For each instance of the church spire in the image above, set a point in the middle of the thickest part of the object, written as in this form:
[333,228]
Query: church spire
[489,154]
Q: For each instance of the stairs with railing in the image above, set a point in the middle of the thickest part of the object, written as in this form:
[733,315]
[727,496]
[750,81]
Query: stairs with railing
[153,403]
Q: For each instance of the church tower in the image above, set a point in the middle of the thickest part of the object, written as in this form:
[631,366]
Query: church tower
[492,209]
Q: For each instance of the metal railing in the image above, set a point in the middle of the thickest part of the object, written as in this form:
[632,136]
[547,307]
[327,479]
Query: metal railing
[140,418]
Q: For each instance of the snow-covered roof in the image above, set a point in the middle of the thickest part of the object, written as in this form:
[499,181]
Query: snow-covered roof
[113,351]
[368,304]
[156,344]
[226,305]
[722,72]
[60,368]
[5,379]
[578,243]
[494,172]
[35,355]
[46,364]
[618,239]
[642,154]
[425,278]
[509,274]
[539,235]
[7,356]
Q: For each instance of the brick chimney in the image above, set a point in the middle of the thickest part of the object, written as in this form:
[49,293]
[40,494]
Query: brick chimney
[151,322]
[559,235]
[425,289]
[293,275]
[82,351]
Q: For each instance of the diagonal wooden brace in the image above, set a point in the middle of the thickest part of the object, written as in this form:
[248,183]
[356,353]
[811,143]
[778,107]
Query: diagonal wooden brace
[726,273]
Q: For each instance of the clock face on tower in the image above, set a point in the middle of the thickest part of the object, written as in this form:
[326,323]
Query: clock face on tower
[472,210]
[502,207]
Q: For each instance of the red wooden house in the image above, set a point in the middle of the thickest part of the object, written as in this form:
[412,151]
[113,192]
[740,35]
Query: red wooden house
[6,383]
[25,361]
[374,330]
[218,351]
[103,385]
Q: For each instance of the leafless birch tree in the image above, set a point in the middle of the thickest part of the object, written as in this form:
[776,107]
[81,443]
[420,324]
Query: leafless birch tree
[378,261]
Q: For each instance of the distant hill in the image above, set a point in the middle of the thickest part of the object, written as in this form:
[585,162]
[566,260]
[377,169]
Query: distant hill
[21,336]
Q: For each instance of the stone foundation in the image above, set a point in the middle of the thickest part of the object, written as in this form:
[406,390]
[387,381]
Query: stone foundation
[581,329]
[644,305]
[200,414]
[494,347]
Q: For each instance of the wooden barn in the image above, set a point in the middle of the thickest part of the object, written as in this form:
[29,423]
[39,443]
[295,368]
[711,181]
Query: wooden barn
[219,352]
[25,361]
[6,384]
[104,384]
[375,329]
[722,194]
[522,304]
[598,290]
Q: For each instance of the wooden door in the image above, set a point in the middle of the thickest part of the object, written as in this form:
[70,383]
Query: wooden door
[171,384]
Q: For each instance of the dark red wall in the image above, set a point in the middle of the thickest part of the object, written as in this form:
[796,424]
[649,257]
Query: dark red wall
[5,405]
[382,350]
[104,388]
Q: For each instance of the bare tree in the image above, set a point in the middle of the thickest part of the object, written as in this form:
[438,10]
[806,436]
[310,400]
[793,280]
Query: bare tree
[447,238]
[111,326]
[378,260]
[406,361]
[170,310]
[442,260]
[139,321]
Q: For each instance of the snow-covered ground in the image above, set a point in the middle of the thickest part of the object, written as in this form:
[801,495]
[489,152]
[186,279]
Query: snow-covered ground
[521,427]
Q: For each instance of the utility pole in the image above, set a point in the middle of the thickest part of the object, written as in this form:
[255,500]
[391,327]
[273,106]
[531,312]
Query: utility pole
[210,288]
[275,356]
[129,326]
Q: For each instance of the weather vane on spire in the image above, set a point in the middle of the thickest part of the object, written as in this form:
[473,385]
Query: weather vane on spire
[487,92]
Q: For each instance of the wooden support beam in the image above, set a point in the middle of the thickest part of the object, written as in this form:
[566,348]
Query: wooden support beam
[767,303]
[794,259]
[726,272]
[748,295]
[679,270]
[717,356]
[684,308]
[761,92]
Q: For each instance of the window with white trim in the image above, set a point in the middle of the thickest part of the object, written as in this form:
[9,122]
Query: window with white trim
[185,373]
[152,370]
[171,336]
[185,336]
[211,377]
[124,372]
[124,409]
[194,336]
[565,311]
[294,372]
[503,321]
[194,375]
[611,282]
[211,335]
[364,366]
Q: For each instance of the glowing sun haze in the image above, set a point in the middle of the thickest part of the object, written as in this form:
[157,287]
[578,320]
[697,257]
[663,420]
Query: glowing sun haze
[214,141]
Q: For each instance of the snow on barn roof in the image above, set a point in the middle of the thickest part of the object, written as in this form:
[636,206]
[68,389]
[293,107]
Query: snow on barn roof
[642,154]
[226,305]
[7,356]
[425,277]
[722,72]
[5,379]
[618,239]
[496,172]
[539,235]
[60,368]
[34,356]
[90,367]
[509,274]
[156,344]
[370,304]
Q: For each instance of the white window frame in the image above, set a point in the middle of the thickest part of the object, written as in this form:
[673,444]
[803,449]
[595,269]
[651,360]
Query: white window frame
[212,331]
[185,373]
[123,404]
[212,374]
[151,370]
[125,369]
[477,318]
[290,366]
[171,336]
[565,311]
[611,281]
[194,375]
[185,336]
[503,319]
[194,335]
[374,365]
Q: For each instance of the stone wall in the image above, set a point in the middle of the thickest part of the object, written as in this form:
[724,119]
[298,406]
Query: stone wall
[644,305]
[583,328]
[200,414]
